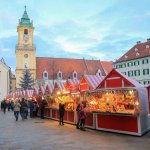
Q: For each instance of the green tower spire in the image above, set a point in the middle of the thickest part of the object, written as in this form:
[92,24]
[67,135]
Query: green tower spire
[25,20]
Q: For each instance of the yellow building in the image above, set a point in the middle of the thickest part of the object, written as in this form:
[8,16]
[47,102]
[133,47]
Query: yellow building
[25,49]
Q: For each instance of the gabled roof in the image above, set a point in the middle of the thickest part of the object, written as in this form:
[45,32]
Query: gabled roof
[49,88]
[71,85]
[59,85]
[117,79]
[67,66]
[90,82]
[137,51]
[2,61]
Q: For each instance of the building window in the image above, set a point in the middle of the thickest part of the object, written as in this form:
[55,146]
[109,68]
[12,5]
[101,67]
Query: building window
[99,73]
[123,65]
[146,82]
[126,56]
[130,64]
[74,75]
[145,61]
[25,31]
[137,54]
[45,75]
[124,73]
[59,75]
[130,73]
[147,46]
[136,63]
[145,71]
[136,49]
[137,72]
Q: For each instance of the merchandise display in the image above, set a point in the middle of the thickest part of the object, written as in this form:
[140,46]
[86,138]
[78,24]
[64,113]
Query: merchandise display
[65,99]
[124,101]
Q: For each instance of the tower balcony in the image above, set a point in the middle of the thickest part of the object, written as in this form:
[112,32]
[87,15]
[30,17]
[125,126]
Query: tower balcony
[25,47]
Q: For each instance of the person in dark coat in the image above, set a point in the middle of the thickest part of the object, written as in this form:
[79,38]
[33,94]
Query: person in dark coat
[42,107]
[78,109]
[9,105]
[61,113]
[23,108]
[4,106]
[31,108]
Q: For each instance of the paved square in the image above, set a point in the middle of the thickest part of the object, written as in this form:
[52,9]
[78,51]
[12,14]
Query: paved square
[37,134]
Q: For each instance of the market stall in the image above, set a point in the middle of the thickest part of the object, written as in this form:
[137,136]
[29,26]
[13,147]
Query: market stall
[120,105]
[71,97]
[48,96]
[88,83]
[56,99]
[148,91]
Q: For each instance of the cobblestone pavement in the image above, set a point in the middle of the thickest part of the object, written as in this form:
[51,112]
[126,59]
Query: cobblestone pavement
[37,134]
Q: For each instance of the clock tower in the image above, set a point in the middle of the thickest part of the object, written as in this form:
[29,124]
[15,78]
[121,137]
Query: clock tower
[25,49]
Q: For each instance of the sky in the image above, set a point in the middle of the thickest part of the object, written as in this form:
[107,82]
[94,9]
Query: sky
[90,29]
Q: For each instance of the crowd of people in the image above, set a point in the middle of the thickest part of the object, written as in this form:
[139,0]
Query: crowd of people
[23,106]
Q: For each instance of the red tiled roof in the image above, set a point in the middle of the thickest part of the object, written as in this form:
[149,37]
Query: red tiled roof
[107,66]
[137,51]
[67,66]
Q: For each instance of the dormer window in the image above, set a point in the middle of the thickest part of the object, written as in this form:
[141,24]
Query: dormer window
[147,46]
[74,74]
[59,75]
[136,49]
[99,73]
[126,56]
[45,75]
[137,54]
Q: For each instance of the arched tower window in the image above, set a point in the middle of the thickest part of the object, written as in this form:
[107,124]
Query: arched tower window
[25,31]
[74,75]
[59,75]
[45,75]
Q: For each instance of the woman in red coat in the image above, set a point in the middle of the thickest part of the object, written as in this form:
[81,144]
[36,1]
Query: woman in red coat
[82,117]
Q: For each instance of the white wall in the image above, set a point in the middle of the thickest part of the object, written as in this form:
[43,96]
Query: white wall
[4,80]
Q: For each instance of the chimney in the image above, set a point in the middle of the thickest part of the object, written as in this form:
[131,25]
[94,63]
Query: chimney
[138,42]
[148,39]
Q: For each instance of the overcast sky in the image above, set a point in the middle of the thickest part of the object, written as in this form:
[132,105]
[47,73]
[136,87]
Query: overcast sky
[93,29]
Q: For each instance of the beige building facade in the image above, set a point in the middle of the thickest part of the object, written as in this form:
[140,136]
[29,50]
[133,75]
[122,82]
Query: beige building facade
[4,79]
[25,49]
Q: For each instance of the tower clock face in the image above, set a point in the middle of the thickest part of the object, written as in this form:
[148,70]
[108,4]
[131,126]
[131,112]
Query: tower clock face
[26,37]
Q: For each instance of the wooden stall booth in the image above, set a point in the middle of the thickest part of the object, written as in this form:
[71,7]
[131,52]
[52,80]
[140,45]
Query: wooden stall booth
[88,83]
[121,105]
[49,99]
[148,91]
[56,99]
[70,97]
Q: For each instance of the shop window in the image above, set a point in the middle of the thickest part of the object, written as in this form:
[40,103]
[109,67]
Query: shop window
[45,75]
[59,75]
[74,75]
[145,71]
